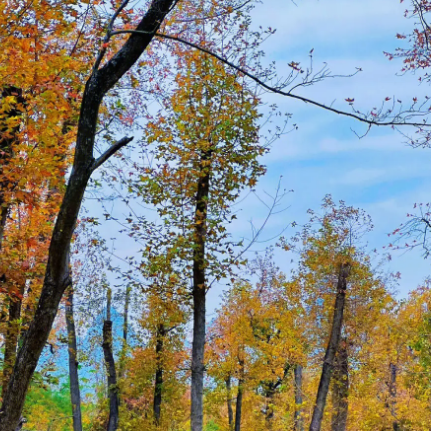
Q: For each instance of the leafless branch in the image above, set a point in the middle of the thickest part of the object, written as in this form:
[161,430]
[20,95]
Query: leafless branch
[110,151]
[364,118]
[108,34]
[218,15]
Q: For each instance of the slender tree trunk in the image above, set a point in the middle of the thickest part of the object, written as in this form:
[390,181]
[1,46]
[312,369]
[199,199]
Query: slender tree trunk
[269,413]
[3,218]
[7,141]
[229,402]
[393,396]
[240,394]
[8,138]
[75,394]
[57,276]
[299,420]
[334,340]
[158,384]
[340,389]
[114,400]
[199,292]
[11,340]
[125,334]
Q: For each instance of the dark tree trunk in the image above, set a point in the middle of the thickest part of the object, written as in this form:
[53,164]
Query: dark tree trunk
[125,333]
[8,138]
[199,292]
[7,141]
[240,394]
[57,276]
[229,402]
[75,394]
[11,340]
[158,384]
[331,350]
[299,420]
[3,218]
[340,389]
[393,396]
[113,396]
[269,411]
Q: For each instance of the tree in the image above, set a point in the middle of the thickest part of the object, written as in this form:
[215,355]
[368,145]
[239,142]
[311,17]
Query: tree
[207,149]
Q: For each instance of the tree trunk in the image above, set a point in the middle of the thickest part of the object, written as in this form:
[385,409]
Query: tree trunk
[7,141]
[299,420]
[114,400]
[229,402]
[334,340]
[158,385]
[57,276]
[393,396]
[125,334]
[269,410]
[75,395]
[11,340]
[340,389]
[199,292]
[240,394]
[3,218]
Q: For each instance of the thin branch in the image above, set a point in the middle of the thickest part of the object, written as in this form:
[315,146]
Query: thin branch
[109,152]
[81,31]
[218,15]
[356,116]
[108,35]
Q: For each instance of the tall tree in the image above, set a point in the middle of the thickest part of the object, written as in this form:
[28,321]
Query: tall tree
[207,146]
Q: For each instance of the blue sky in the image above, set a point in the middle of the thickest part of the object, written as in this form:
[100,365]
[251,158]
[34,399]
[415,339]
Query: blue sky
[378,173]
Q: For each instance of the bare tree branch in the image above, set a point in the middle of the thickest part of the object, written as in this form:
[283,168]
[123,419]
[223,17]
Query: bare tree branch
[371,119]
[110,152]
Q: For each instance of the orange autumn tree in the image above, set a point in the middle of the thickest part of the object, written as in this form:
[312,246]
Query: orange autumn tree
[154,390]
[41,74]
[255,345]
[339,312]
[153,387]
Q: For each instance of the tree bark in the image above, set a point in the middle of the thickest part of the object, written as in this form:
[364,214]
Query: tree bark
[240,394]
[199,292]
[299,420]
[57,276]
[75,394]
[340,389]
[113,396]
[158,384]
[125,333]
[7,141]
[3,218]
[11,340]
[229,402]
[334,340]
[393,396]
